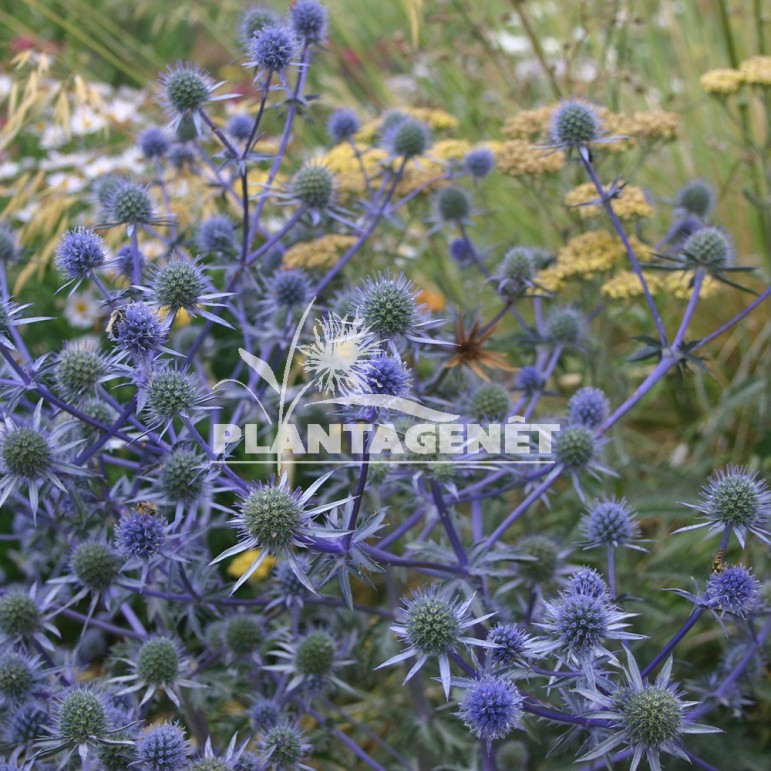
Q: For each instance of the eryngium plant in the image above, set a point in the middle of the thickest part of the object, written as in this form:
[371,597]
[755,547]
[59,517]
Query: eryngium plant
[229,615]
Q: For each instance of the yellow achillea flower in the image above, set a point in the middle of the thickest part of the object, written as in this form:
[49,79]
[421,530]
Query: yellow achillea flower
[319,253]
[658,125]
[240,564]
[521,158]
[341,160]
[436,120]
[181,318]
[422,174]
[757,71]
[721,81]
[631,202]
[586,255]
[654,125]
[450,149]
[626,284]
[529,124]
[677,285]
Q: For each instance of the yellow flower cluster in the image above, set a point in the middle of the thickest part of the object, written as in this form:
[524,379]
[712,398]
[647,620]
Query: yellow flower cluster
[529,124]
[677,285]
[631,202]
[653,125]
[722,81]
[341,160]
[626,284]
[521,158]
[424,172]
[320,253]
[449,150]
[436,120]
[587,255]
[240,564]
[755,71]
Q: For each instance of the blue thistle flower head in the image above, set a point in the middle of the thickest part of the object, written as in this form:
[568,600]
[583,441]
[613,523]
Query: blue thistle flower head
[163,748]
[575,447]
[290,288]
[708,247]
[124,261]
[28,722]
[20,615]
[581,623]
[461,251]
[239,127]
[79,368]
[243,634]
[479,162]
[697,198]
[432,623]
[18,674]
[610,522]
[453,204]
[82,717]
[489,403]
[264,713]
[648,718]
[734,498]
[283,747]
[273,48]
[130,203]
[138,330]
[388,305]
[25,452]
[733,590]
[406,138]
[95,565]
[178,284]
[342,125]
[217,235]
[181,477]
[185,88]
[253,20]
[574,124]
[515,271]
[9,247]
[491,708]
[566,326]
[171,393]
[530,380]
[181,155]
[80,251]
[313,186]
[589,582]
[588,407]
[386,375]
[154,142]
[140,536]
[513,644]
[309,21]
